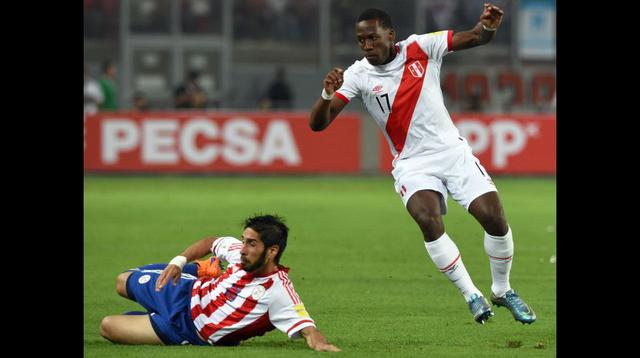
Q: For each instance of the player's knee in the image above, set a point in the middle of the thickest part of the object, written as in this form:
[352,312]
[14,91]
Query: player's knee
[107,328]
[492,219]
[496,225]
[431,225]
[121,284]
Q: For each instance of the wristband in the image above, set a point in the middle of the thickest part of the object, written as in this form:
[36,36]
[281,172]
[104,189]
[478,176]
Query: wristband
[179,261]
[485,28]
[326,96]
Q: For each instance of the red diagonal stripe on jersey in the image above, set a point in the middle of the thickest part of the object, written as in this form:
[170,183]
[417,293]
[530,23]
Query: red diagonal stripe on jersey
[236,316]
[406,98]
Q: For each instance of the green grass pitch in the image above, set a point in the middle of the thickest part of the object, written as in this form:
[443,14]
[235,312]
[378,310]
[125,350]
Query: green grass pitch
[357,260]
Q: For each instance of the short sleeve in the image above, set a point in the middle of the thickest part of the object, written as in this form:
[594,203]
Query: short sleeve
[227,248]
[287,313]
[349,89]
[436,44]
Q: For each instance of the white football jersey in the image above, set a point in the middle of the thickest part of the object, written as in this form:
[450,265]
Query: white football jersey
[404,96]
[239,305]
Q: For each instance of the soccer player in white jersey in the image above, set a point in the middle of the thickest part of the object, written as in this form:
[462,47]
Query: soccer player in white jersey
[399,84]
[253,296]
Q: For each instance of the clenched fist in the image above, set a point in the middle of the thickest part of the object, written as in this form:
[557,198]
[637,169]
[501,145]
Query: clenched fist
[333,80]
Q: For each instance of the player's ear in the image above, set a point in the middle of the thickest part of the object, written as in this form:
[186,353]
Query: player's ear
[272,251]
[392,35]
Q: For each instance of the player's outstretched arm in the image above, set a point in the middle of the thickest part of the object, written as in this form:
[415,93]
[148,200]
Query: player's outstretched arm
[173,271]
[316,341]
[482,33]
[324,111]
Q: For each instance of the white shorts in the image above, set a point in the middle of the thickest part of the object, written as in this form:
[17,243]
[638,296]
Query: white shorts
[455,170]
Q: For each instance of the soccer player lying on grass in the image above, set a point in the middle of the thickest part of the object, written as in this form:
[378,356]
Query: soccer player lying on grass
[251,297]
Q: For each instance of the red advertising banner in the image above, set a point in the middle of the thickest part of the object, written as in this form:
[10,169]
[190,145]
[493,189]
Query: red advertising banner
[505,144]
[225,142]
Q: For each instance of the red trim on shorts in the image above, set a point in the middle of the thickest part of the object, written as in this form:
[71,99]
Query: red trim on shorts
[449,40]
[451,264]
[342,97]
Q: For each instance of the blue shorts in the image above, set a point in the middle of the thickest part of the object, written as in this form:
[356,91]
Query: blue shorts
[169,309]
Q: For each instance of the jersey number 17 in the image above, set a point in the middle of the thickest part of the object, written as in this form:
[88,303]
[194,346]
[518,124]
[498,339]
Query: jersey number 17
[386,96]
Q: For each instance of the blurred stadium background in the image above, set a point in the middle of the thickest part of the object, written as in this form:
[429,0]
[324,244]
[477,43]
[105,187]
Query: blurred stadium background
[501,97]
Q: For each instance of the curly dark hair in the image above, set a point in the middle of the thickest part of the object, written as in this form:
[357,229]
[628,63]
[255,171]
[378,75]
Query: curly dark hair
[272,231]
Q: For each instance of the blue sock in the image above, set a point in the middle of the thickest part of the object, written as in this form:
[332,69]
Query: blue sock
[135,313]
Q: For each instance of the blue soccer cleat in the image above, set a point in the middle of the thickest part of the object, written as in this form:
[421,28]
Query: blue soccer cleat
[520,310]
[480,308]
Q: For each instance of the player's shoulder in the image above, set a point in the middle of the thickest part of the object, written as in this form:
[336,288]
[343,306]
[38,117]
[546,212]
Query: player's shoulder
[427,36]
[281,277]
[357,67]
[411,38]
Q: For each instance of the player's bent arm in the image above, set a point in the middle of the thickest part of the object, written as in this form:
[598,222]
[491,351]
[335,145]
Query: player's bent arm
[316,341]
[198,249]
[172,272]
[468,39]
[484,31]
[324,112]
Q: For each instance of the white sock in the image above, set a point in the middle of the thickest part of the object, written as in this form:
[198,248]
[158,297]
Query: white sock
[500,251]
[446,257]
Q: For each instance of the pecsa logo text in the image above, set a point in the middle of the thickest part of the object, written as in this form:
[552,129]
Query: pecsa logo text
[198,141]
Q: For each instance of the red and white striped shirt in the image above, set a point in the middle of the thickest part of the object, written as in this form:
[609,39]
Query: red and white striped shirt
[239,305]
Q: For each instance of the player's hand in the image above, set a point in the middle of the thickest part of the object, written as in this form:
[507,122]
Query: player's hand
[171,272]
[325,347]
[316,341]
[333,80]
[491,16]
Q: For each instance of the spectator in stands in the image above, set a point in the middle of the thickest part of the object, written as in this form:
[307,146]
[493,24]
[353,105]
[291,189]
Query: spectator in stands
[279,92]
[190,94]
[92,93]
[108,86]
[140,102]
